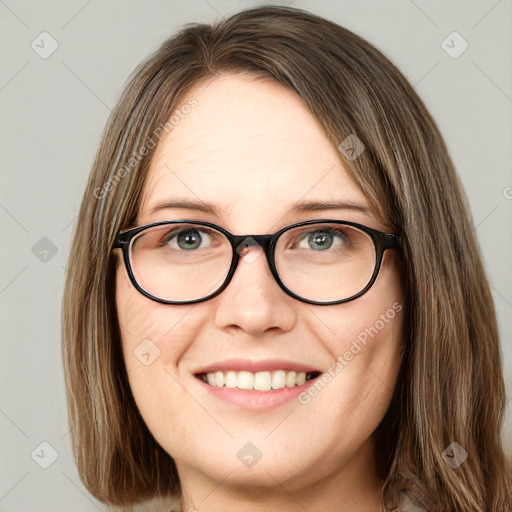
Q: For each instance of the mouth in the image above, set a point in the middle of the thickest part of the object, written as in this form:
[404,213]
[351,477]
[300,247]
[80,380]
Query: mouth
[257,381]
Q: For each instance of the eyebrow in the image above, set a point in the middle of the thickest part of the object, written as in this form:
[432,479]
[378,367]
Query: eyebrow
[300,207]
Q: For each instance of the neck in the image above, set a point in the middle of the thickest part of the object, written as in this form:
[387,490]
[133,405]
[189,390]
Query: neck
[352,485]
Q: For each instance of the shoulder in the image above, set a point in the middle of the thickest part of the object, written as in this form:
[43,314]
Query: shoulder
[408,502]
[404,492]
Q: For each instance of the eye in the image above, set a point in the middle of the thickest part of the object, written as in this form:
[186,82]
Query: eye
[187,239]
[325,238]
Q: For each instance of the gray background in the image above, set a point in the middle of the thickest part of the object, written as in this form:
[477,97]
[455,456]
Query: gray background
[53,111]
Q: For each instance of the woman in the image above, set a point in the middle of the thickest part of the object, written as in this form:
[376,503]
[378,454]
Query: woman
[349,360]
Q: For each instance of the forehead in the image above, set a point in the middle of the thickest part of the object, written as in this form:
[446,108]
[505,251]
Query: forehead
[250,146]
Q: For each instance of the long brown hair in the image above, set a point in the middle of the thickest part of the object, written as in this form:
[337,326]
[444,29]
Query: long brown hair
[450,387]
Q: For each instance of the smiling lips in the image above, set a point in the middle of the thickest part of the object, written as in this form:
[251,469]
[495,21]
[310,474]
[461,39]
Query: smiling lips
[260,376]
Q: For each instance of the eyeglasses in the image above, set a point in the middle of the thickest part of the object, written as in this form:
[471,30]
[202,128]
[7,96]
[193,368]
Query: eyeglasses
[320,261]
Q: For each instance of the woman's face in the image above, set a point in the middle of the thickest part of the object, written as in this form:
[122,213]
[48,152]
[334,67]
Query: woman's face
[252,149]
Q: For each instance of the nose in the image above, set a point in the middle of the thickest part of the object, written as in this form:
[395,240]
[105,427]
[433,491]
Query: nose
[253,302]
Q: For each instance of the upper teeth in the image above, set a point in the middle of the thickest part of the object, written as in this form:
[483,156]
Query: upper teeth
[261,381]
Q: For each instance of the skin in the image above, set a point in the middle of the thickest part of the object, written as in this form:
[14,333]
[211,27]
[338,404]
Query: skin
[252,148]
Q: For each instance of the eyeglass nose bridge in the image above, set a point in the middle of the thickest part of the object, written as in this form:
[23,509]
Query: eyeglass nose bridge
[241,242]
[264,242]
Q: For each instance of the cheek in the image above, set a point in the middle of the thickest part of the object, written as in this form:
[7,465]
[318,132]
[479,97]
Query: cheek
[137,317]
[153,339]
[142,319]
[364,338]
[365,344]
[369,328]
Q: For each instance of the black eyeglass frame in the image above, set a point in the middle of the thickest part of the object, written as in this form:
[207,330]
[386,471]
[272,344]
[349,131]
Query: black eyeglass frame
[381,241]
